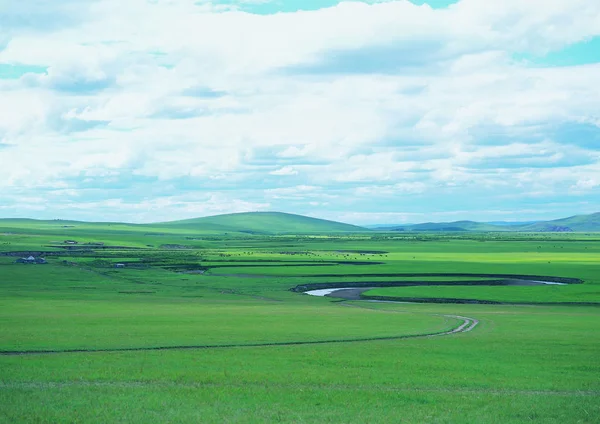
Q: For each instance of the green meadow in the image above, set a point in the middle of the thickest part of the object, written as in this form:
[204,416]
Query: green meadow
[199,324]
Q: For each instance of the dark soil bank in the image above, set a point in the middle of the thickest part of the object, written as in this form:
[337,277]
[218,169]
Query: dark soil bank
[499,280]
[357,294]
[462,301]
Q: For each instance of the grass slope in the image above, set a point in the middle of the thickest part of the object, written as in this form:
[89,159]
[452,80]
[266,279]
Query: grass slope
[584,223]
[266,223]
[284,223]
[579,223]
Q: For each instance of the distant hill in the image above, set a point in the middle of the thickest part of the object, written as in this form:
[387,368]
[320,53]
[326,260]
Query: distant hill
[285,223]
[579,223]
[265,223]
[383,226]
[452,226]
[512,223]
[249,223]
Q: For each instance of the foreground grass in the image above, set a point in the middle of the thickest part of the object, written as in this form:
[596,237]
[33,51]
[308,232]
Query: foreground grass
[520,364]
[294,403]
[123,323]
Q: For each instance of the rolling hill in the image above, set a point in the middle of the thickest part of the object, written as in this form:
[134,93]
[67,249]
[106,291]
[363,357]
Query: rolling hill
[285,223]
[579,223]
[264,223]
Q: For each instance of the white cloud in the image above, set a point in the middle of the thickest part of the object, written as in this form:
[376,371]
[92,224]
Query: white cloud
[587,184]
[398,189]
[286,170]
[193,92]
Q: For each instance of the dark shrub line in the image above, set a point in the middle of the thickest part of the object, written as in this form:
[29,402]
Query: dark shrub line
[500,279]
[470,301]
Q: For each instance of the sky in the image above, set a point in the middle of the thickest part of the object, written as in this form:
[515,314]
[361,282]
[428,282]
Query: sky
[367,112]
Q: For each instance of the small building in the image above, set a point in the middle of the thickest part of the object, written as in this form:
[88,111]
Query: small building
[31,260]
[28,260]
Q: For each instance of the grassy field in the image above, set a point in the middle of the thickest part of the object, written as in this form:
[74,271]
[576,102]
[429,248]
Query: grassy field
[187,288]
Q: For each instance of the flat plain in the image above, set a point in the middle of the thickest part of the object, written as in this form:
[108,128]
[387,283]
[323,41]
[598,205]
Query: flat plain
[170,323]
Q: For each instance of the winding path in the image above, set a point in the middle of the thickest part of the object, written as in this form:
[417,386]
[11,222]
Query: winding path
[467,324]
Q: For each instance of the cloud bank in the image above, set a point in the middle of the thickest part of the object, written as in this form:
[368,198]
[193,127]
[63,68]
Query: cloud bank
[361,111]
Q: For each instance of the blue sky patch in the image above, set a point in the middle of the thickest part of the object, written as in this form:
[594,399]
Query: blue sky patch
[399,58]
[12,71]
[583,53]
[586,136]
[269,7]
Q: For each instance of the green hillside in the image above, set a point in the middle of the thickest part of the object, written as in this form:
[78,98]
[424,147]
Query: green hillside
[264,223]
[578,223]
[284,223]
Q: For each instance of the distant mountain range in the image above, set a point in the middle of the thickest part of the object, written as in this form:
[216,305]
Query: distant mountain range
[496,223]
[285,223]
[579,223]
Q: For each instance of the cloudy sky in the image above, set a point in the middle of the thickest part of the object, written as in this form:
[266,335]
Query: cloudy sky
[366,111]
